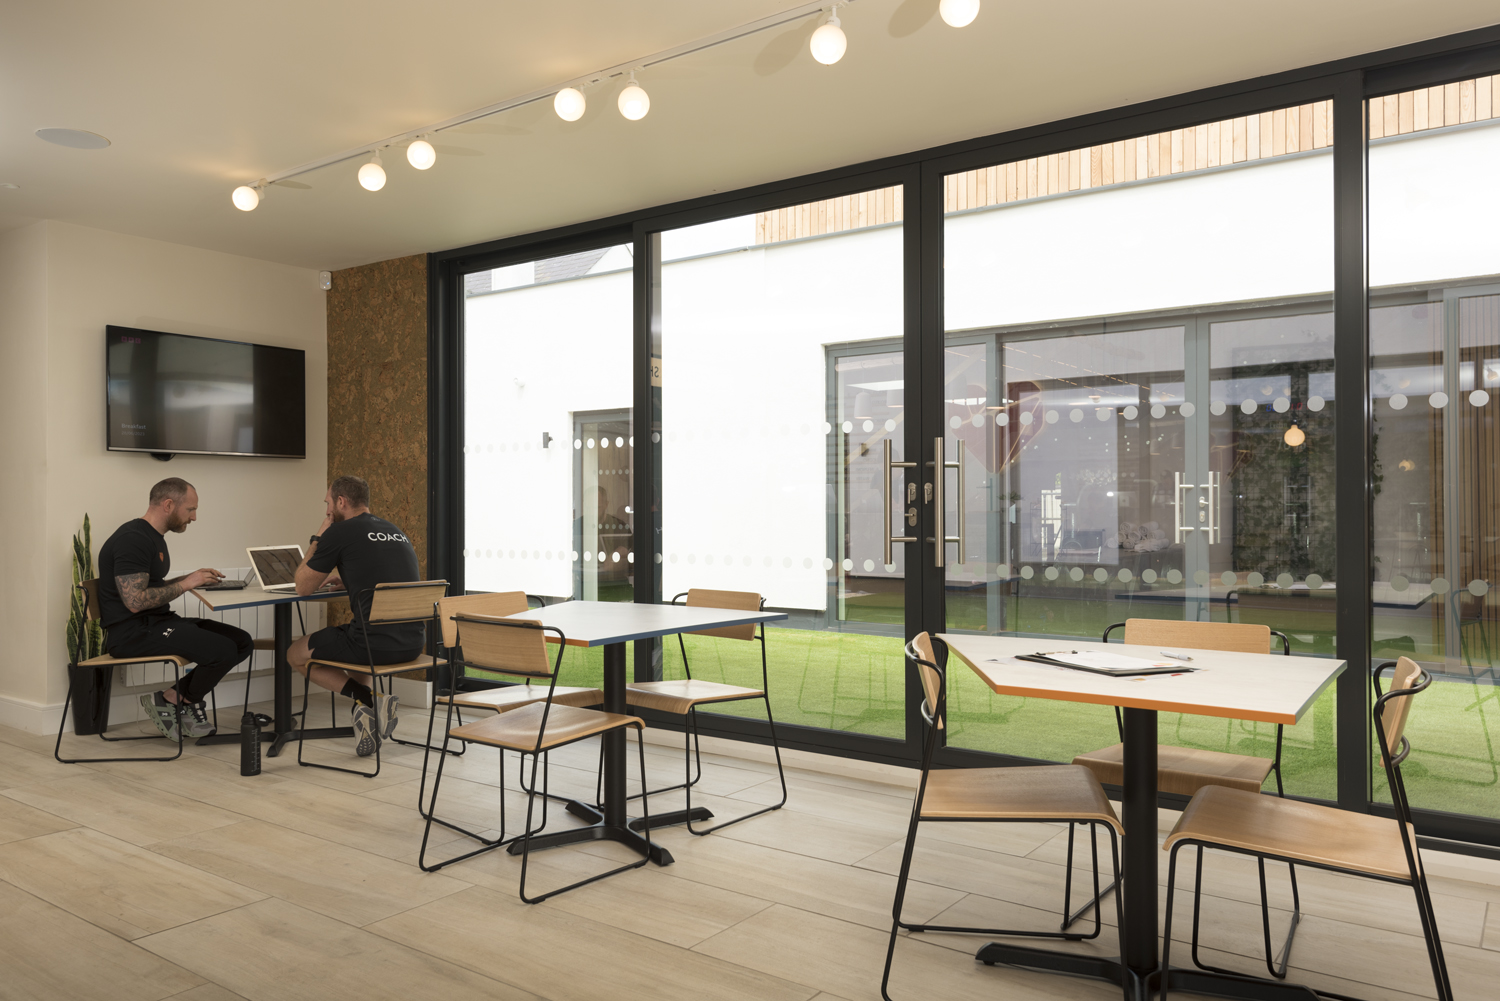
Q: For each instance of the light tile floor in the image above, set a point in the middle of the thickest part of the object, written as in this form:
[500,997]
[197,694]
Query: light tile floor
[185,880]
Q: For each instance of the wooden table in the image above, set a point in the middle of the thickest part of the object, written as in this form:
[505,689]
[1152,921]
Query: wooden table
[281,731]
[612,624]
[1262,687]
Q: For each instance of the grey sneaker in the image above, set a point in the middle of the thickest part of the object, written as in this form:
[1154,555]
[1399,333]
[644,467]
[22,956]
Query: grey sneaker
[363,718]
[195,720]
[162,713]
[386,707]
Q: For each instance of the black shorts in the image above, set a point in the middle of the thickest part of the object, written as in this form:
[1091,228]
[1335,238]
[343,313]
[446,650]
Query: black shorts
[343,644]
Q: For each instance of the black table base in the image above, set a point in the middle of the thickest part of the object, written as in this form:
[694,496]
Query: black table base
[1142,988]
[612,823]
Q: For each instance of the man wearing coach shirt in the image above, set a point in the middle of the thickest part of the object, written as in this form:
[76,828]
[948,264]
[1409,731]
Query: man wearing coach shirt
[365,551]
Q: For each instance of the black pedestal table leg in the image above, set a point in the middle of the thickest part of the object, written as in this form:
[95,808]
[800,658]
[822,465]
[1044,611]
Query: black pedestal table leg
[283,724]
[1138,937]
[614,740]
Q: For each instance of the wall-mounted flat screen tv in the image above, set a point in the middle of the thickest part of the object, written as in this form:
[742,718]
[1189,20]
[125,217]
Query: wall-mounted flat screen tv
[173,393]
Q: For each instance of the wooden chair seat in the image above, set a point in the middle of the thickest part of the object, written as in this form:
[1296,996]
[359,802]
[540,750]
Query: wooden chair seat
[381,670]
[682,695]
[1292,829]
[505,699]
[1042,792]
[104,660]
[517,730]
[1183,770]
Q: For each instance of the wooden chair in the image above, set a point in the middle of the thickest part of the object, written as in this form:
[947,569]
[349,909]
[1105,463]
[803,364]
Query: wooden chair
[519,647]
[1031,794]
[390,604]
[683,697]
[104,662]
[498,700]
[1358,844]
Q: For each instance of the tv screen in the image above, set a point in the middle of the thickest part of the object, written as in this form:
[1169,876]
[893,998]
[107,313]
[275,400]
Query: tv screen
[173,393]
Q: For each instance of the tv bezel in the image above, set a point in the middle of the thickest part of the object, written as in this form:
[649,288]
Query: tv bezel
[113,329]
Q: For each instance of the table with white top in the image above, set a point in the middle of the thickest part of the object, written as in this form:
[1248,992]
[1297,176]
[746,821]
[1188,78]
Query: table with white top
[281,731]
[612,624]
[1262,687]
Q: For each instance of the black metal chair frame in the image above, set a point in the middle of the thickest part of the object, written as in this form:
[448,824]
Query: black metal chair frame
[930,717]
[527,831]
[375,678]
[692,749]
[1417,881]
[68,700]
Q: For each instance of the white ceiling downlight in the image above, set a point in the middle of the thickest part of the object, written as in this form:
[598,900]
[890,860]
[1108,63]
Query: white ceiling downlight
[73,138]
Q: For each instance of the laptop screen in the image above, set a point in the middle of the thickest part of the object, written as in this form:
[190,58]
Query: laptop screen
[277,566]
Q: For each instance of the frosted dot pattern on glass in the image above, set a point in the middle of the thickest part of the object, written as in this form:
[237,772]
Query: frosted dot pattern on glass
[1479,588]
[1187,410]
[1228,579]
[1174,576]
[1026,419]
[977,420]
[890,425]
[1052,417]
[955,422]
[1002,419]
[577,442]
[1200,577]
[1103,413]
[827,428]
[589,443]
[1003,570]
[1130,413]
[1158,411]
[868,426]
[848,564]
[1440,586]
[1125,576]
[1075,415]
[869,565]
[604,443]
[1314,581]
[1217,408]
[1027,573]
[848,427]
[1438,400]
[1281,405]
[1398,402]
[1051,573]
[1316,403]
[1101,575]
[1399,583]
[1479,398]
[1075,574]
[1248,406]
[1149,576]
[1284,581]
[1255,579]
[827,563]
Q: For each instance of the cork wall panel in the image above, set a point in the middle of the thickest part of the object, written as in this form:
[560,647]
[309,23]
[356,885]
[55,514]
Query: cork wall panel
[377,388]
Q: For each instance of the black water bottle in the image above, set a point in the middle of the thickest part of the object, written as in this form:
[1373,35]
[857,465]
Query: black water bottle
[249,745]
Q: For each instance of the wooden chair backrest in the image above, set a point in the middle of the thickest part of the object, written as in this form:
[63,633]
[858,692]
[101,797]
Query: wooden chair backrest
[1393,716]
[508,646]
[499,604]
[932,682]
[90,599]
[746,601]
[1236,637]
[405,602]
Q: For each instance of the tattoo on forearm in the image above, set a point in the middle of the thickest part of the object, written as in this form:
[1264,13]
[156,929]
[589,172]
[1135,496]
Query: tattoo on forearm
[138,597]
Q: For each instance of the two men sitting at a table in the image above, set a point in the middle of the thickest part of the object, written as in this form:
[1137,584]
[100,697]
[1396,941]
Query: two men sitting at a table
[134,595]
[364,551]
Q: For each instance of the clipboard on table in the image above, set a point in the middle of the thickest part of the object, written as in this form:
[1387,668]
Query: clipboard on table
[1113,665]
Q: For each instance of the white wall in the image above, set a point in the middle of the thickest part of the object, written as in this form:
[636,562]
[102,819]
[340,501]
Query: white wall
[93,278]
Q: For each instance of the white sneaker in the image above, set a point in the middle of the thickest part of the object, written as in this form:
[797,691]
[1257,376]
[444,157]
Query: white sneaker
[386,707]
[364,730]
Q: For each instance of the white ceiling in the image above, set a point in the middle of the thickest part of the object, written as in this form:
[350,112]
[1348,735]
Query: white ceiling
[200,97]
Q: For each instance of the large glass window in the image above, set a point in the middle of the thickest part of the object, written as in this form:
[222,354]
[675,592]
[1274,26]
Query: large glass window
[781,388]
[1434,375]
[1139,372]
[547,433]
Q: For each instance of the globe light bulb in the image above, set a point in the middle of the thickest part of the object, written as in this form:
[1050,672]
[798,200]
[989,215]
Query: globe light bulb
[372,174]
[245,198]
[421,155]
[828,42]
[569,104]
[1294,436]
[634,102]
[958,13]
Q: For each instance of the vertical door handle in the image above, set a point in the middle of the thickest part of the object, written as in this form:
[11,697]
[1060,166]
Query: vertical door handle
[1179,520]
[1211,501]
[886,492]
[941,465]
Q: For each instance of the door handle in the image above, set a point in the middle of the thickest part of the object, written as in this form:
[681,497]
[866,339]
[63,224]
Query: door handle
[941,465]
[1180,524]
[911,488]
[1212,488]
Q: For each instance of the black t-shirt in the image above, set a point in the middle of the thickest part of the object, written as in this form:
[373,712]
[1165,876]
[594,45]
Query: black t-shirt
[135,548]
[367,551]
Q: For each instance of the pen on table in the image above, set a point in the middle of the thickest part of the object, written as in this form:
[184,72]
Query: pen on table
[1176,656]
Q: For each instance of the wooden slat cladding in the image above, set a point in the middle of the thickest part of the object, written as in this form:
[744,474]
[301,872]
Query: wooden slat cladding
[835,215]
[1180,151]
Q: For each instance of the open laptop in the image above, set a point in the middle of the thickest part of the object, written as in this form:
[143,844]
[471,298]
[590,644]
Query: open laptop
[276,566]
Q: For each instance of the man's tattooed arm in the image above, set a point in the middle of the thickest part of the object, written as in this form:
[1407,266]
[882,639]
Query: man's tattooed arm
[138,597]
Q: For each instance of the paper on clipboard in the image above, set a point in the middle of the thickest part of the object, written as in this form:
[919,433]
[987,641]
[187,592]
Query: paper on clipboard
[1102,662]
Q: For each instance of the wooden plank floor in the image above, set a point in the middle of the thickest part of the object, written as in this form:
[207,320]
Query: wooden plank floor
[184,880]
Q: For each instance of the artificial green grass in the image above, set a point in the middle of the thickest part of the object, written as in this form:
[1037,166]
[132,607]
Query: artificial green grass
[856,682]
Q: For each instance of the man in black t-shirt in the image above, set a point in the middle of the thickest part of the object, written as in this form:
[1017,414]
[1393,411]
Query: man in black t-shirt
[365,551]
[134,594]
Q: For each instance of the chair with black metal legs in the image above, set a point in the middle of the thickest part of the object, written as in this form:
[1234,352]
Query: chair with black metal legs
[683,697]
[519,647]
[1185,770]
[89,591]
[390,605]
[498,700]
[1067,794]
[1323,837]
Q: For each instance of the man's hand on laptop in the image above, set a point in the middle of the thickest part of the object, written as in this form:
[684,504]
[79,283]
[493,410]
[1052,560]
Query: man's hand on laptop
[198,578]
